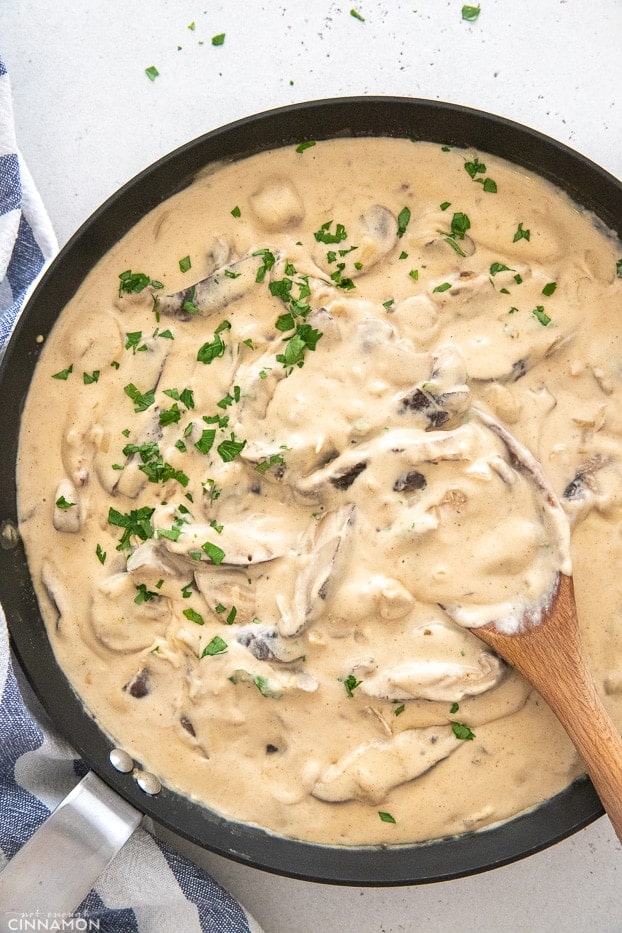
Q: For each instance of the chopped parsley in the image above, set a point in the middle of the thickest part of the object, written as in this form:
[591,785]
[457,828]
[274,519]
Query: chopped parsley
[521,234]
[185,264]
[541,315]
[134,282]
[304,338]
[273,460]
[619,268]
[101,554]
[194,616]
[357,15]
[454,708]
[386,817]
[399,709]
[308,144]
[143,595]
[206,441]
[214,349]
[236,212]
[133,341]
[403,219]
[470,13]
[549,288]
[63,374]
[460,223]
[186,396]
[62,503]
[215,553]
[476,168]
[497,267]
[231,615]
[136,523]
[324,234]
[443,287]
[267,264]
[216,646]
[350,684]
[218,39]
[142,400]
[152,72]
[89,378]
[461,731]
[230,448]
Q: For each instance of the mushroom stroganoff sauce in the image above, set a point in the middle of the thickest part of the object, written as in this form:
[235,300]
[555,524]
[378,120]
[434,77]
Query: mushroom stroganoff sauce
[259,483]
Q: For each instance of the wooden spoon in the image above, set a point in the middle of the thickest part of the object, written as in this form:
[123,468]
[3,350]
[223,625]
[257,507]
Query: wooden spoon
[549,655]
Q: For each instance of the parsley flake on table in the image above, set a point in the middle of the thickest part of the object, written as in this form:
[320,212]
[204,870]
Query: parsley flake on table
[218,39]
[470,13]
[152,72]
[357,15]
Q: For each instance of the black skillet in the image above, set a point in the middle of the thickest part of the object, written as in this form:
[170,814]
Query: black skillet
[443,123]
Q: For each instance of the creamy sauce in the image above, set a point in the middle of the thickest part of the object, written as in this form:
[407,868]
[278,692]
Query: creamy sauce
[241,560]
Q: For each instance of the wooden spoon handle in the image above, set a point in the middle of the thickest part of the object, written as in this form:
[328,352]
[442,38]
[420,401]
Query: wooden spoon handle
[549,656]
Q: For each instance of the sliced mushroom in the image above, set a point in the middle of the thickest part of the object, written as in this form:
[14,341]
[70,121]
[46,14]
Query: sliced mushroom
[122,624]
[444,395]
[321,549]
[150,560]
[277,205]
[416,445]
[372,769]
[67,508]
[225,589]
[435,680]
[221,288]
[254,539]
[55,591]
[265,644]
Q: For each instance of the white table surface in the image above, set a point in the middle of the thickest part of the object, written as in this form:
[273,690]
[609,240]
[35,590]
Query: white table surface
[88,119]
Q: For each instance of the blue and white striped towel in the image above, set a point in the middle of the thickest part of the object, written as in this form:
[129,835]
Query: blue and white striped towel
[148,888]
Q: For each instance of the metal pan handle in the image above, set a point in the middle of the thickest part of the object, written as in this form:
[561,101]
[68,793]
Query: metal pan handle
[55,870]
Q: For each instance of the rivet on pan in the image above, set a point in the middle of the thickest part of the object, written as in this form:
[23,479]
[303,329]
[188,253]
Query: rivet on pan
[147,782]
[120,760]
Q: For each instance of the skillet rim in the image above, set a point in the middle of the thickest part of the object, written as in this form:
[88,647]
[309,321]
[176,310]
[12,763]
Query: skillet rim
[444,123]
